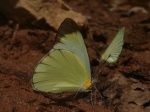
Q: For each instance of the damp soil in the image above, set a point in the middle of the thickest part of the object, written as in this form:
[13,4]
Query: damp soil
[122,87]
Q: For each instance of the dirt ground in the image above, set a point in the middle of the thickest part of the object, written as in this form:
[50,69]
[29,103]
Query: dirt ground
[124,86]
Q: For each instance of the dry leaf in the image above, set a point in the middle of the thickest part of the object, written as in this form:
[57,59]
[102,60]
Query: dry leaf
[31,11]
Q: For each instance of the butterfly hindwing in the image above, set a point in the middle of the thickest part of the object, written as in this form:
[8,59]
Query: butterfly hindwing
[59,71]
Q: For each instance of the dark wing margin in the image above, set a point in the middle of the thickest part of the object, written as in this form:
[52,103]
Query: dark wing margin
[68,26]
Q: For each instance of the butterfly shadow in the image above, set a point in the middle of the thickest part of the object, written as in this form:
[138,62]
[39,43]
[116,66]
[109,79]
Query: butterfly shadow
[66,99]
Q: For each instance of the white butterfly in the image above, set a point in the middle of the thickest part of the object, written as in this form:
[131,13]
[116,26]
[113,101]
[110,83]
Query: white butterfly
[66,67]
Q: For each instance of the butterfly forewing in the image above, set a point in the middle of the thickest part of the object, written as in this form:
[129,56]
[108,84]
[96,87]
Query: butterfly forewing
[69,38]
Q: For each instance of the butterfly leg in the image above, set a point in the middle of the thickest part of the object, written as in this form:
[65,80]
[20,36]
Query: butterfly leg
[74,97]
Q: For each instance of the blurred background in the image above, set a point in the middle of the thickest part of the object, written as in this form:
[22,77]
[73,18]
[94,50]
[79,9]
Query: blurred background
[28,30]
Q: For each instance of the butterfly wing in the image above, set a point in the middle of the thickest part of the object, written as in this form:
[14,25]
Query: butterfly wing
[66,67]
[69,38]
[60,71]
[114,49]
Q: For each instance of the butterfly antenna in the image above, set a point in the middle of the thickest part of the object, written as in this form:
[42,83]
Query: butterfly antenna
[100,94]
[104,62]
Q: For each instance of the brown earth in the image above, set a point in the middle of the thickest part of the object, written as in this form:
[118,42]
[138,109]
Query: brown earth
[125,85]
